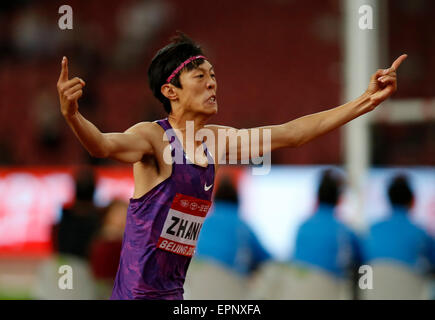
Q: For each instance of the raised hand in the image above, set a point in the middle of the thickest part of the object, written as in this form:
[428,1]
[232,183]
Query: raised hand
[69,90]
[383,82]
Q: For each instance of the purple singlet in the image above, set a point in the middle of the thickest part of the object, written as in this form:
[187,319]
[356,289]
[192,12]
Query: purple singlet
[162,230]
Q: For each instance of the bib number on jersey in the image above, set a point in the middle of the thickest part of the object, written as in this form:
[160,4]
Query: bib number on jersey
[182,225]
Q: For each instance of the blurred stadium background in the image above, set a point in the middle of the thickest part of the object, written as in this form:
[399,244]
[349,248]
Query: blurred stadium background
[274,60]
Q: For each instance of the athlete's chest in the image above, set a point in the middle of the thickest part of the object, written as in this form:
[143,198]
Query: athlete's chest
[182,225]
[194,180]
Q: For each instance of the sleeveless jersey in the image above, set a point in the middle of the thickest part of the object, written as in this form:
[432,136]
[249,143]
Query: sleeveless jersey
[162,229]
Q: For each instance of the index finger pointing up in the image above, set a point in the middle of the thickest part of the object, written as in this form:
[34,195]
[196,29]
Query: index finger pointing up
[398,62]
[64,71]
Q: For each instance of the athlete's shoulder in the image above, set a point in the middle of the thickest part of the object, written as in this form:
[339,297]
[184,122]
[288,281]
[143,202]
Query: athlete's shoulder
[145,127]
[149,131]
[216,127]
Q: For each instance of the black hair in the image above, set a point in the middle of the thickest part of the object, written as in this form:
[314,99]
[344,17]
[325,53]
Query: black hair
[399,191]
[330,187]
[85,184]
[226,191]
[167,60]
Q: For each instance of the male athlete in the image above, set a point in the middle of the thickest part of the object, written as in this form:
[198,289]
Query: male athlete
[171,198]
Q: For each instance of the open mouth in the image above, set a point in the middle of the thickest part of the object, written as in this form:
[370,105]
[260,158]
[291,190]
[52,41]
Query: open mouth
[212,99]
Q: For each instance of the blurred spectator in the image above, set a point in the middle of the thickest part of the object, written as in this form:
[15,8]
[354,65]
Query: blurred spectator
[325,251]
[80,223]
[399,251]
[71,240]
[33,34]
[48,120]
[138,24]
[228,251]
[322,241]
[106,248]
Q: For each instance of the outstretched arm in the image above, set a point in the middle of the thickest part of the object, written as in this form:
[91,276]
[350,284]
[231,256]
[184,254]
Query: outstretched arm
[383,84]
[129,146]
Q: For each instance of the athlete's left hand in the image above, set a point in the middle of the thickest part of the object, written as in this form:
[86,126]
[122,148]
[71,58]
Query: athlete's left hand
[383,82]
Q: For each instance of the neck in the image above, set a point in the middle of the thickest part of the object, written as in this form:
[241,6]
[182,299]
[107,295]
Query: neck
[400,209]
[324,207]
[186,133]
[179,121]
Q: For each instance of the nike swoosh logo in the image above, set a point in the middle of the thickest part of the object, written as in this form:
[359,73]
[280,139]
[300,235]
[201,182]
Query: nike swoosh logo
[206,188]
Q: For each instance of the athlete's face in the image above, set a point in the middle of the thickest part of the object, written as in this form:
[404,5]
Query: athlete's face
[199,89]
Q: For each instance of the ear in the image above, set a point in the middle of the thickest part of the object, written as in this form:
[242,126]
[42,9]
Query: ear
[168,91]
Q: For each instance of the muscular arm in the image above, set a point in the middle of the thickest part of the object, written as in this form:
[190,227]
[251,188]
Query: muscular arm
[302,130]
[129,146]
[297,132]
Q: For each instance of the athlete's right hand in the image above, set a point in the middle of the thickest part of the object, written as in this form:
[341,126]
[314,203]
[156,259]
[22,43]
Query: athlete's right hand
[69,91]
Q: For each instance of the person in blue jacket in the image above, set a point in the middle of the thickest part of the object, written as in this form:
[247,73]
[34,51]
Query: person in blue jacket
[397,238]
[322,241]
[226,239]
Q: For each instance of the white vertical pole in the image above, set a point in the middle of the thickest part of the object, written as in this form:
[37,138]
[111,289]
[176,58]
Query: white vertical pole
[361,60]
